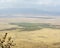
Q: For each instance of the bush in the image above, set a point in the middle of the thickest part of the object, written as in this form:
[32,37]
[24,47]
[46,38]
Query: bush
[6,44]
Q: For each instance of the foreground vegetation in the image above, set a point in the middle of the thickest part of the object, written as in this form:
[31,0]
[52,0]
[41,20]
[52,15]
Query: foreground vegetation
[6,44]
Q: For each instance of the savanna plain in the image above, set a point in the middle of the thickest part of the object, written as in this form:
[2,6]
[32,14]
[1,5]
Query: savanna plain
[43,32]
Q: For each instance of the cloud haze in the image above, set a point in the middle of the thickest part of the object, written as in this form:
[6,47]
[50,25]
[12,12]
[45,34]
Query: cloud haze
[44,6]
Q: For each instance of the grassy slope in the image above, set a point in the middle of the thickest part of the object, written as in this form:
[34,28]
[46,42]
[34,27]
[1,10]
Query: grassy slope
[34,39]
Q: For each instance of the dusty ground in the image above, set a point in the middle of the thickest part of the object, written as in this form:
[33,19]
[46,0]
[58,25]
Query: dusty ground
[43,19]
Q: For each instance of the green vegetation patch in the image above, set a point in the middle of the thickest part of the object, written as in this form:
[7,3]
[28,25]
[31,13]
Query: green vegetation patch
[35,26]
[28,26]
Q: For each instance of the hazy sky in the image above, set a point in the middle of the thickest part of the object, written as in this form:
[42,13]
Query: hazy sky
[32,6]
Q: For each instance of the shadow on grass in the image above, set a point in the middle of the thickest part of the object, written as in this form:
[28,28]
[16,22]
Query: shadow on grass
[21,29]
[55,45]
[31,26]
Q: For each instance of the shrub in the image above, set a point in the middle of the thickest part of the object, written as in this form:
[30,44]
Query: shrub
[6,44]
